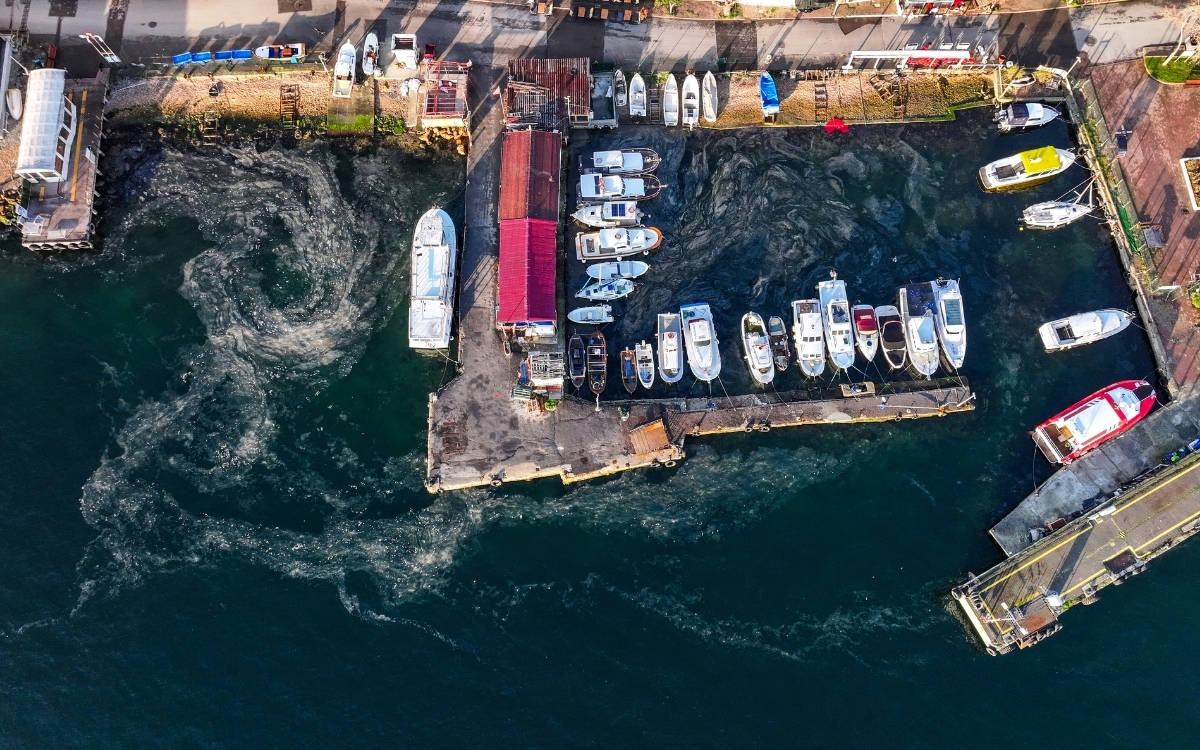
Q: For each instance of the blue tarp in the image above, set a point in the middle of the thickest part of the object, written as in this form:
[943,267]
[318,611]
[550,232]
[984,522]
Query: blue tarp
[224,55]
[180,59]
[243,54]
[201,57]
[770,97]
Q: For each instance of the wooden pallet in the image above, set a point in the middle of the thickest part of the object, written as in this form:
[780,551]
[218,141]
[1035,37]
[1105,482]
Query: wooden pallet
[821,97]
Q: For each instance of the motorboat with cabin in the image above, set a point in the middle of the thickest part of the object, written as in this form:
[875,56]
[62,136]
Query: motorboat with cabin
[629,161]
[690,95]
[809,335]
[597,362]
[637,96]
[591,316]
[891,336]
[1028,168]
[920,331]
[370,62]
[616,243]
[1096,419]
[643,355]
[629,377]
[598,188]
[769,95]
[700,341]
[431,300]
[621,95]
[670,348]
[617,269]
[777,333]
[1083,328]
[835,318]
[757,347]
[670,102]
[866,331]
[343,71]
[577,361]
[709,102]
[610,214]
[950,321]
[1024,116]
[605,291]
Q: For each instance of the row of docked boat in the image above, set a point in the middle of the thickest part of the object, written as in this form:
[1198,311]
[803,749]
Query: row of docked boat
[697,98]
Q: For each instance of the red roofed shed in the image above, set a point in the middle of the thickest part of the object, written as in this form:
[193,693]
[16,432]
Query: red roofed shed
[529,172]
[528,264]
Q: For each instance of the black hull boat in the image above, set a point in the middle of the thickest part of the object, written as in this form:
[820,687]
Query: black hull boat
[577,361]
[597,362]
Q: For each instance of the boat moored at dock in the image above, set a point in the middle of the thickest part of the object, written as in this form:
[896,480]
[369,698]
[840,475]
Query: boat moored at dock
[616,243]
[610,214]
[757,347]
[577,361]
[644,356]
[670,348]
[1083,328]
[670,102]
[891,336]
[777,333]
[431,300]
[598,188]
[691,101]
[1024,116]
[614,269]
[597,362]
[1026,169]
[629,377]
[637,96]
[709,102]
[606,290]
[866,330]
[809,336]
[700,341]
[591,316]
[629,161]
[835,319]
[1096,419]
[1054,214]
[920,331]
[950,321]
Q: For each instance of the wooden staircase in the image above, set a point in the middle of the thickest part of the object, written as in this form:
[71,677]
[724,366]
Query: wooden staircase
[289,108]
[821,97]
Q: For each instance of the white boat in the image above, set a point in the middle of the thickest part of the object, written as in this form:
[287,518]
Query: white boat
[596,188]
[622,94]
[709,103]
[670,350]
[690,95]
[610,214]
[617,269]
[371,55]
[866,330]
[950,321]
[343,72]
[1083,328]
[606,290]
[643,356]
[757,347]
[404,51]
[1023,116]
[594,315]
[920,332]
[810,339]
[835,317]
[1028,168]
[630,161]
[637,96]
[670,102]
[431,301]
[15,102]
[293,52]
[700,341]
[614,244]
[1054,214]
[891,336]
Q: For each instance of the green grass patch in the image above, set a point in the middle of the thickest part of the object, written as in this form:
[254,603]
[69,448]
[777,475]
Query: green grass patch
[1179,71]
[364,123]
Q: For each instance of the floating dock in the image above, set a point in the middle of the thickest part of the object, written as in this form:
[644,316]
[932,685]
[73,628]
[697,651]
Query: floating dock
[1018,603]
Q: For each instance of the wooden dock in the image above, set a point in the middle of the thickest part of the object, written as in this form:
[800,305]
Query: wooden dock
[1018,603]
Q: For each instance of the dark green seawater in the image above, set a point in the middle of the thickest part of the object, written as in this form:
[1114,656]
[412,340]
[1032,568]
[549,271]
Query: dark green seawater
[213,530]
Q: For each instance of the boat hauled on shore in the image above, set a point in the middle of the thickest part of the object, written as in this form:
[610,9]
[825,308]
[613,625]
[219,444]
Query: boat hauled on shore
[343,71]
[769,95]
[709,103]
[670,348]
[700,341]
[670,102]
[1083,328]
[431,299]
[1096,419]
[637,96]
[691,101]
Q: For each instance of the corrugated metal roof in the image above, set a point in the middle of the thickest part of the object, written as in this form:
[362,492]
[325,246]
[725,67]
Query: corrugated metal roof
[527,274]
[529,172]
[563,78]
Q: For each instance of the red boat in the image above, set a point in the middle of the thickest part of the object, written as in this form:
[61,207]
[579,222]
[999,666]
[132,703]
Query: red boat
[1103,415]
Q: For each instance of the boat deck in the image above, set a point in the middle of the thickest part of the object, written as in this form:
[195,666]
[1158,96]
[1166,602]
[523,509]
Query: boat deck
[1017,603]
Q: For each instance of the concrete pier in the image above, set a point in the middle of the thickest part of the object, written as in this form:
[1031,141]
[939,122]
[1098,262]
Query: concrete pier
[1017,603]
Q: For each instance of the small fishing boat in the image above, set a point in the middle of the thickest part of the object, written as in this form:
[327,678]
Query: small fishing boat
[1028,168]
[343,72]
[1096,419]
[670,350]
[866,330]
[606,290]
[293,52]
[810,339]
[1023,116]
[597,188]
[691,101]
[708,97]
[1054,214]
[835,317]
[629,377]
[577,361]
[431,299]
[920,332]
[613,244]
[1083,328]
[777,333]
[404,50]
[950,321]
[700,341]
[610,214]
[15,102]
[618,269]
[757,347]
[891,336]
[594,315]
[371,55]
[670,102]
[622,93]
[644,354]
[597,362]
[629,161]
[637,96]
[769,95]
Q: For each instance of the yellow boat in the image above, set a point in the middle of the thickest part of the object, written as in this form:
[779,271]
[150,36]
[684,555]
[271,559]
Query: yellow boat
[1025,169]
